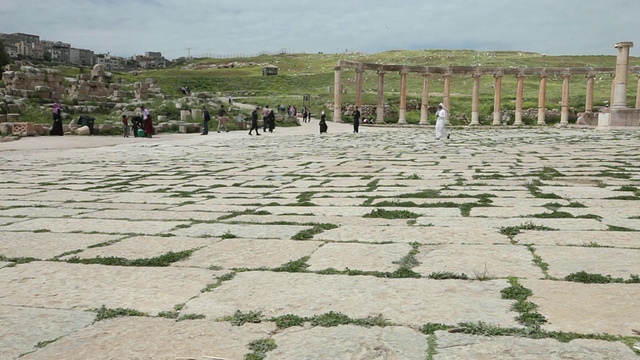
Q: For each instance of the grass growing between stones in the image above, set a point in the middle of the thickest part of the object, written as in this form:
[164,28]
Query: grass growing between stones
[534,189]
[537,260]
[219,281]
[329,319]
[17,260]
[512,231]
[310,233]
[260,348]
[587,278]
[160,261]
[447,275]
[104,312]
[391,214]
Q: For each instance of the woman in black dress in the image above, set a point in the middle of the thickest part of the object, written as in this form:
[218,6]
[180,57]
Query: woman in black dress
[56,129]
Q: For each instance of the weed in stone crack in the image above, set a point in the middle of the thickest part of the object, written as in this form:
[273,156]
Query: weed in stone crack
[330,319]
[169,314]
[409,261]
[391,214]
[482,274]
[619,228]
[219,281]
[615,175]
[160,261]
[316,229]
[534,189]
[244,212]
[103,313]
[18,260]
[587,278]
[289,320]
[260,348]
[228,235]
[424,194]
[528,317]
[447,275]
[190,317]
[430,328]
[42,344]
[239,318]
[41,231]
[294,266]
[103,244]
[512,231]
[373,185]
[537,260]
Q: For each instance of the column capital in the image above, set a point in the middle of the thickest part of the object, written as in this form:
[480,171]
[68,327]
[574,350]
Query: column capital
[476,74]
[566,74]
[624,44]
[382,72]
[337,68]
[403,72]
[499,74]
[521,75]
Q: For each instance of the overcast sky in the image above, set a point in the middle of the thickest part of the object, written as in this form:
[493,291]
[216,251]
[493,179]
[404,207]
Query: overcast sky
[182,27]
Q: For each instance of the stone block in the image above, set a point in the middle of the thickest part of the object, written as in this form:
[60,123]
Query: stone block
[40,129]
[83,130]
[24,129]
[185,115]
[6,128]
[13,117]
[3,118]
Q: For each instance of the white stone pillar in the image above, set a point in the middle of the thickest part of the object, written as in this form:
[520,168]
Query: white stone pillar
[564,112]
[446,101]
[622,69]
[638,93]
[380,106]
[542,98]
[497,120]
[424,109]
[475,100]
[337,94]
[403,98]
[588,107]
[519,96]
[359,88]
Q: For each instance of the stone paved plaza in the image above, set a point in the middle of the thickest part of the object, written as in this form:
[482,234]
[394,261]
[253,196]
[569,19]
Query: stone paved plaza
[385,244]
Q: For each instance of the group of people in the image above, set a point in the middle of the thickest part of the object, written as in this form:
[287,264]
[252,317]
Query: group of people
[306,114]
[144,123]
[222,120]
[441,122]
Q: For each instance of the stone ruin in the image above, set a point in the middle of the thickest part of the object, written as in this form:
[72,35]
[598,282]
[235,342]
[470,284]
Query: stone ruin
[31,82]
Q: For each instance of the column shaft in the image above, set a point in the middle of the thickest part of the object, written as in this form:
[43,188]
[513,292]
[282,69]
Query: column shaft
[519,97]
[638,94]
[424,109]
[497,120]
[446,101]
[564,113]
[403,98]
[622,69]
[475,100]
[359,88]
[588,107]
[380,106]
[542,98]
[337,94]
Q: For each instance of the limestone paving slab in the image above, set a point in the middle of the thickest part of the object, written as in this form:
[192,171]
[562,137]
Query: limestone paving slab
[151,215]
[365,257]
[478,261]
[463,346]
[420,234]
[403,301]
[147,198]
[24,327]
[586,308]
[83,287]
[565,260]
[309,219]
[241,230]
[620,239]
[249,253]
[350,342]
[497,223]
[143,247]
[42,212]
[70,195]
[155,338]
[107,226]
[18,244]
[113,205]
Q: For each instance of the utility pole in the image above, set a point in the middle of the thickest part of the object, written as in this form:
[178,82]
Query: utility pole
[189,53]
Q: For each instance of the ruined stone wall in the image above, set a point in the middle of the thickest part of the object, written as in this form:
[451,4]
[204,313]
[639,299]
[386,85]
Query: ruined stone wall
[29,82]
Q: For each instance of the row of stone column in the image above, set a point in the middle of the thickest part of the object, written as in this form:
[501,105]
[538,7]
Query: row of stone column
[497,120]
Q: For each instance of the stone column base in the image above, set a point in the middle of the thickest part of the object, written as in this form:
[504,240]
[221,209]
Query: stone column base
[619,119]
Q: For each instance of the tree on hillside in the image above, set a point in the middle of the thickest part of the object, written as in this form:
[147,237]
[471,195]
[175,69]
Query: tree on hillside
[4,56]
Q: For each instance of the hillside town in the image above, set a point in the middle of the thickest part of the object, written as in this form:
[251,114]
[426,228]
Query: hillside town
[23,46]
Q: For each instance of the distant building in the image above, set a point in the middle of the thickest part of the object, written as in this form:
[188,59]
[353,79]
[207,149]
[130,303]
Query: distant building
[270,70]
[22,45]
[152,60]
[60,51]
[82,57]
[111,62]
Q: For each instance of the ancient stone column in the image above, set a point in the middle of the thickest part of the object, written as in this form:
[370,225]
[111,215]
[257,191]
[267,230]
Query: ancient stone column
[380,106]
[622,69]
[613,89]
[542,98]
[446,101]
[588,107]
[564,113]
[519,96]
[638,93]
[359,88]
[475,100]
[337,94]
[496,99]
[424,109]
[403,98]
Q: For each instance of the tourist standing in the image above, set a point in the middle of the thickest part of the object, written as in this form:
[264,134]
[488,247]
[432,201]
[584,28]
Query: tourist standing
[271,118]
[254,121]
[356,120]
[147,122]
[206,117]
[265,121]
[125,125]
[441,123]
[222,119]
[323,122]
[56,128]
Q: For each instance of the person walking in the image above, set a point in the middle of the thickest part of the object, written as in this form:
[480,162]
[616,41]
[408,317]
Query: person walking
[222,119]
[206,117]
[323,122]
[272,120]
[254,121]
[125,125]
[56,128]
[265,121]
[356,120]
[441,123]
[148,123]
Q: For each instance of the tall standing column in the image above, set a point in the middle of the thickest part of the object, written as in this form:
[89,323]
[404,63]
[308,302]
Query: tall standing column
[359,88]
[542,99]
[424,109]
[446,101]
[613,88]
[638,93]
[622,68]
[564,113]
[496,99]
[380,107]
[403,98]
[475,100]
[337,94]
[588,107]
[519,96]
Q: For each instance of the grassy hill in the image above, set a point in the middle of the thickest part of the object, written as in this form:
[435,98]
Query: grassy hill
[313,74]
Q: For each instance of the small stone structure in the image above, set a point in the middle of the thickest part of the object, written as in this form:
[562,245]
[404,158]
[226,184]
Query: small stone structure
[620,116]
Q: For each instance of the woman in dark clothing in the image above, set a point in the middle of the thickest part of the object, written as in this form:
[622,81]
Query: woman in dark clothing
[272,120]
[323,123]
[148,123]
[356,120]
[56,129]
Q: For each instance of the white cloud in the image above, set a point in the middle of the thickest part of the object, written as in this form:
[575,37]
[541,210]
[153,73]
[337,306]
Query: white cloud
[128,27]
